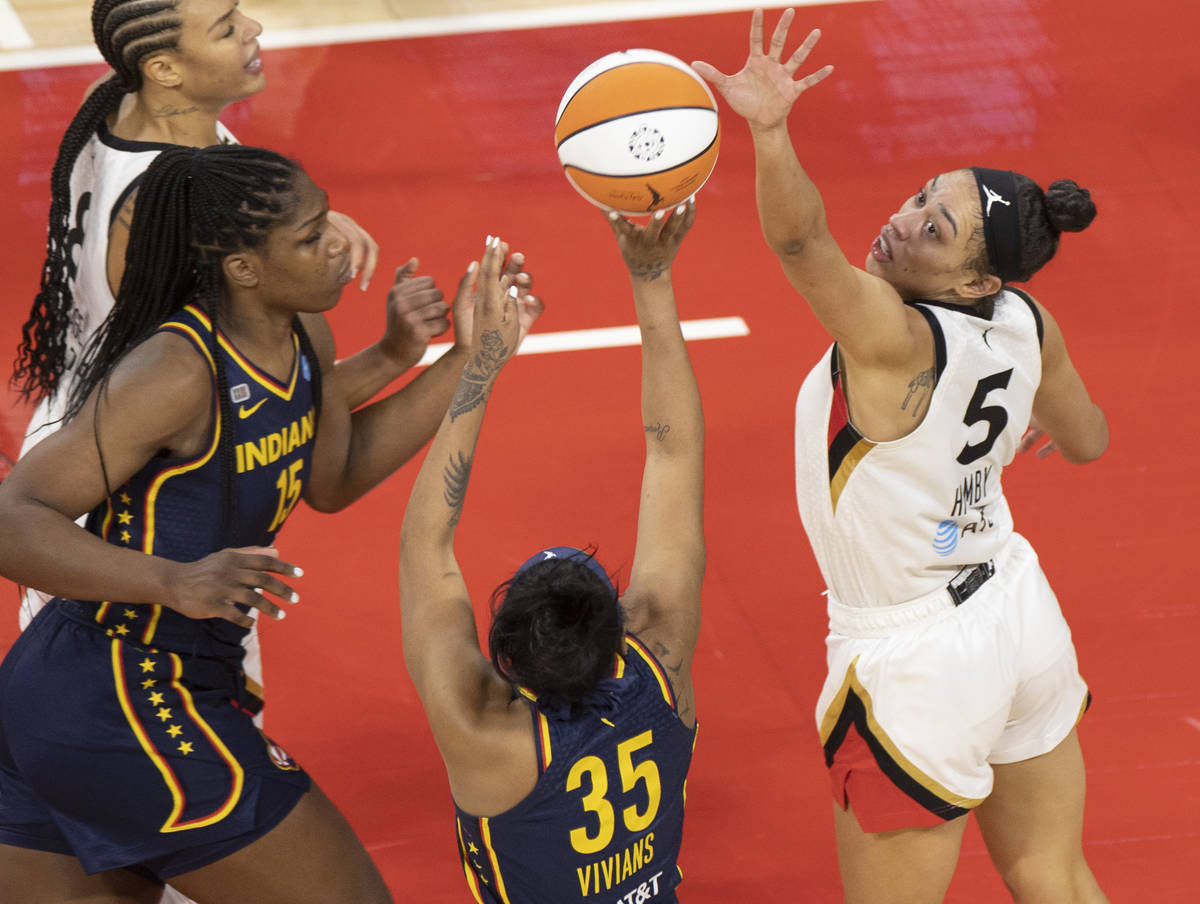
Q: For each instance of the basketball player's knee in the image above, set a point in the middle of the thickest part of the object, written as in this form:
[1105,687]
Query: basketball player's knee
[1041,879]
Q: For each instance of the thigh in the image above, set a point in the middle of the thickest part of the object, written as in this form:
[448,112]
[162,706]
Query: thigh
[1032,825]
[39,877]
[906,866]
[311,857]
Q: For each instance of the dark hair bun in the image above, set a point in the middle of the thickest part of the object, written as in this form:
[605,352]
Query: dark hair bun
[1069,208]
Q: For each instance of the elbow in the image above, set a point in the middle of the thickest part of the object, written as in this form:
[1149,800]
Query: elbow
[1092,447]
[787,246]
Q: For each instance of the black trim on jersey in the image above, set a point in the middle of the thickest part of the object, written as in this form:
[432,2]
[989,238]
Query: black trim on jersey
[123,197]
[128,144]
[855,713]
[1033,308]
[939,342]
[969,310]
[848,436]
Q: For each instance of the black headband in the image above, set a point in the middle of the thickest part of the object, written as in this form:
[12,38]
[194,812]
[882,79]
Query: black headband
[1001,220]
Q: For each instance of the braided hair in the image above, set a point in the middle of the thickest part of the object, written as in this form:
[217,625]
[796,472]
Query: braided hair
[194,207]
[127,32]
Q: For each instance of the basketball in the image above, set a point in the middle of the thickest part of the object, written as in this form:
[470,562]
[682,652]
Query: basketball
[637,132]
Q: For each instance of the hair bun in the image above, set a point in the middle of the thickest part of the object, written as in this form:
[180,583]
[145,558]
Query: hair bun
[1069,208]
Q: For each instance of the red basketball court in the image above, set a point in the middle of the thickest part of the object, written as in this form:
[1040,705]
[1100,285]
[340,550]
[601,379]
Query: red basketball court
[434,142]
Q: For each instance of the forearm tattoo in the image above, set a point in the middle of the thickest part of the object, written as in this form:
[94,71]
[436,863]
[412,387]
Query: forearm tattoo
[661,430]
[919,390]
[478,374]
[455,477]
[648,270]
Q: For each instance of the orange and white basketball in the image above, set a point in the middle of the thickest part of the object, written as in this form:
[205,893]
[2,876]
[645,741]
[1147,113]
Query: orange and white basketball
[637,131]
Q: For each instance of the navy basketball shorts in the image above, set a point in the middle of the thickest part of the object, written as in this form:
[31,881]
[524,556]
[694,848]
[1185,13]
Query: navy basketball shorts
[123,755]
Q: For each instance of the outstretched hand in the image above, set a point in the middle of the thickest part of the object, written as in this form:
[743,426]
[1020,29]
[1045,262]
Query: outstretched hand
[210,587]
[649,250]
[529,306]
[765,89]
[416,312]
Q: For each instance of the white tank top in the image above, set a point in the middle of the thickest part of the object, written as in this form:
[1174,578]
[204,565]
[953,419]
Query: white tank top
[891,521]
[105,174]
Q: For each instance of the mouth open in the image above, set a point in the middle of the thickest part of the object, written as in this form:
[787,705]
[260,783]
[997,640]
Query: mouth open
[880,250]
[255,66]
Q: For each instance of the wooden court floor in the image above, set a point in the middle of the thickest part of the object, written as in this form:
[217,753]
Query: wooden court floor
[433,142]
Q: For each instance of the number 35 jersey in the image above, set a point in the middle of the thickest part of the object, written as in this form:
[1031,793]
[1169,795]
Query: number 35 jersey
[890,521]
[173,507]
[605,820]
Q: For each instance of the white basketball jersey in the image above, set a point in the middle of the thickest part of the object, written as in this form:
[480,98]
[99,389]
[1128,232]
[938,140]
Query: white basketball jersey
[891,521]
[105,174]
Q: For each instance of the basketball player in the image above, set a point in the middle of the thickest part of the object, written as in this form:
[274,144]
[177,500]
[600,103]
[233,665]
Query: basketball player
[127,755]
[567,753]
[953,685]
[177,65]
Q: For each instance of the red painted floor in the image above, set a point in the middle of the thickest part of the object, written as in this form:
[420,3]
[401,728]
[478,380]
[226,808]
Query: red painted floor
[434,143]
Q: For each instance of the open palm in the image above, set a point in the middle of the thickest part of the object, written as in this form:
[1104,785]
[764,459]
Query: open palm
[765,89]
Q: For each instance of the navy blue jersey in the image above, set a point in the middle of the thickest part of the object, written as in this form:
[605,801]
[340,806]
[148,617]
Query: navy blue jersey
[605,820]
[173,507]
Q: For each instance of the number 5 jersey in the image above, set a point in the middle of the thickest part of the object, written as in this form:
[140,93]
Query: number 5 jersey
[890,521]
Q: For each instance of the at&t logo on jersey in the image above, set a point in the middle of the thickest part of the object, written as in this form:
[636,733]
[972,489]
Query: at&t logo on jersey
[945,541]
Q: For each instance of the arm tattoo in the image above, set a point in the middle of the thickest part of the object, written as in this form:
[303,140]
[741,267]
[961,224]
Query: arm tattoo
[478,374]
[660,429]
[455,477]
[648,270]
[919,390]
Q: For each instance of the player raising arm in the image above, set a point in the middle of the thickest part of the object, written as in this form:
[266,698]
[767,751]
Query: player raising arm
[952,685]
[568,751]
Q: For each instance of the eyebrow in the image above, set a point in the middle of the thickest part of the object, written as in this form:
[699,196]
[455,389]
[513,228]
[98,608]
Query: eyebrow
[232,9]
[323,211]
[942,207]
[946,214]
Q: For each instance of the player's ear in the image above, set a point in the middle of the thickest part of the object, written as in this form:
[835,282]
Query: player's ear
[162,69]
[241,269]
[980,286]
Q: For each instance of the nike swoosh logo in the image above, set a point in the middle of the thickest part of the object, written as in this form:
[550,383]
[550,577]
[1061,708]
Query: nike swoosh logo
[245,412]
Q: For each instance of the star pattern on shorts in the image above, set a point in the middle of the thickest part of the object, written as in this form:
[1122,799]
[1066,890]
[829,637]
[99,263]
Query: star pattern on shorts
[148,683]
[156,699]
[147,664]
[174,731]
[124,517]
[185,747]
[164,713]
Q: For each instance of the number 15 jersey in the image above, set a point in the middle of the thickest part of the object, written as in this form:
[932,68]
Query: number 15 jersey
[890,521]
[605,820]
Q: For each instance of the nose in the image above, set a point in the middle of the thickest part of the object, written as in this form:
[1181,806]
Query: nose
[903,221]
[253,28]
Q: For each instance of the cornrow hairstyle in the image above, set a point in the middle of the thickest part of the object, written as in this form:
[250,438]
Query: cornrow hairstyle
[127,32]
[195,206]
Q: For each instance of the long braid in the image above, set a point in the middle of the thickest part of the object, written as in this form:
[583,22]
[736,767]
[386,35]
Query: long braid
[195,206]
[126,32]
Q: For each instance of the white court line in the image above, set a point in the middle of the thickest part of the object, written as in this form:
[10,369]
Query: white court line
[587,14]
[13,35]
[1195,723]
[609,337]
